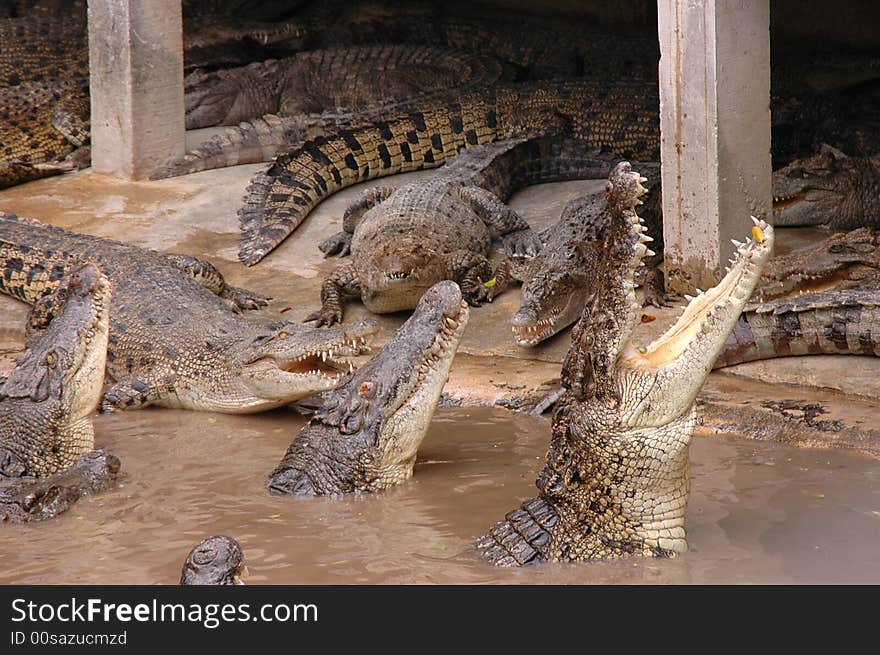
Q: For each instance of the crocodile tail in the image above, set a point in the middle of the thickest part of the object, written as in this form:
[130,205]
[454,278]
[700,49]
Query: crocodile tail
[278,200]
[522,537]
[250,142]
[832,322]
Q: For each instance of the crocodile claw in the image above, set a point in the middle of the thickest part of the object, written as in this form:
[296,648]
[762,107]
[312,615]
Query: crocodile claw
[339,245]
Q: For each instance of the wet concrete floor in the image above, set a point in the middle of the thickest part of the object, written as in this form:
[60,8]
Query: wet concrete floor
[758,512]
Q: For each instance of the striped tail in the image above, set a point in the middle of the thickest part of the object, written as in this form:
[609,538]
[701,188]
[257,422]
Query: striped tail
[829,322]
[278,200]
[522,536]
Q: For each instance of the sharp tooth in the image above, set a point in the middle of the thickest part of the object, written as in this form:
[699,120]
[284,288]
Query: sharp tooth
[649,252]
[323,357]
[644,238]
[738,244]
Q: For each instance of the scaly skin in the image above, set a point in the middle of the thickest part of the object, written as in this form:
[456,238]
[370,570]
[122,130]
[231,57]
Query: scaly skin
[828,188]
[837,322]
[820,300]
[845,260]
[176,339]
[622,117]
[366,435]
[319,80]
[616,478]
[217,560]
[403,241]
[47,460]
[558,280]
[41,122]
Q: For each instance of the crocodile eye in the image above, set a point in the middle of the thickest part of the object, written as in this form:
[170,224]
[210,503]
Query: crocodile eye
[282,335]
[588,340]
[367,389]
[50,360]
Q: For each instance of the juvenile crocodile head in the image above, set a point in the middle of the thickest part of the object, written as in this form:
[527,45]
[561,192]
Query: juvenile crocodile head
[47,401]
[827,188]
[285,362]
[366,435]
[616,478]
[217,560]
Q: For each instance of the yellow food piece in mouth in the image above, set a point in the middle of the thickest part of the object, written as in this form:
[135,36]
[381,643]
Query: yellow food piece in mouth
[490,283]
[758,234]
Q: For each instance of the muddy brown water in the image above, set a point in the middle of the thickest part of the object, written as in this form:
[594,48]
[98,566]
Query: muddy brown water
[759,512]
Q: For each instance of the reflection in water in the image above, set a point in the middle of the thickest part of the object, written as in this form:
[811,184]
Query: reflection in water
[759,512]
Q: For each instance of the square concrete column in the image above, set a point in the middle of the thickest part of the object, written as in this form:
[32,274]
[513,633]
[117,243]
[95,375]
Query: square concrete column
[715,132]
[136,63]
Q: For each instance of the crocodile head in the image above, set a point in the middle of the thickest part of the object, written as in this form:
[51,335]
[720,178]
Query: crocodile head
[827,187]
[394,281]
[554,293]
[852,256]
[366,434]
[651,385]
[217,560]
[285,362]
[57,382]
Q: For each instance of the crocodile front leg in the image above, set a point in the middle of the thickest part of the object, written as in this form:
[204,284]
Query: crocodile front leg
[515,234]
[342,283]
[207,275]
[474,274]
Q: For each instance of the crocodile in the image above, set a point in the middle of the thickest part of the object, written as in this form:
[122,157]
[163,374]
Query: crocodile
[844,260]
[559,279]
[217,560]
[177,338]
[555,282]
[319,80]
[366,434]
[615,482]
[47,461]
[621,117]
[834,322]
[404,240]
[820,300]
[829,188]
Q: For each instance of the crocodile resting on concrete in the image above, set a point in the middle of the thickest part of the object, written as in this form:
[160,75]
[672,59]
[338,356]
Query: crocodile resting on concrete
[367,433]
[47,461]
[279,104]
[620,117]
[616,478]
[217,560]
[558,280]
[828,188]
[402,241]
[319,80]
[176,339]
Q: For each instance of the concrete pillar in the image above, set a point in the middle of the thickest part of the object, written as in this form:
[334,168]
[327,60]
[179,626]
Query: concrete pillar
[136,63]
[715,132]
